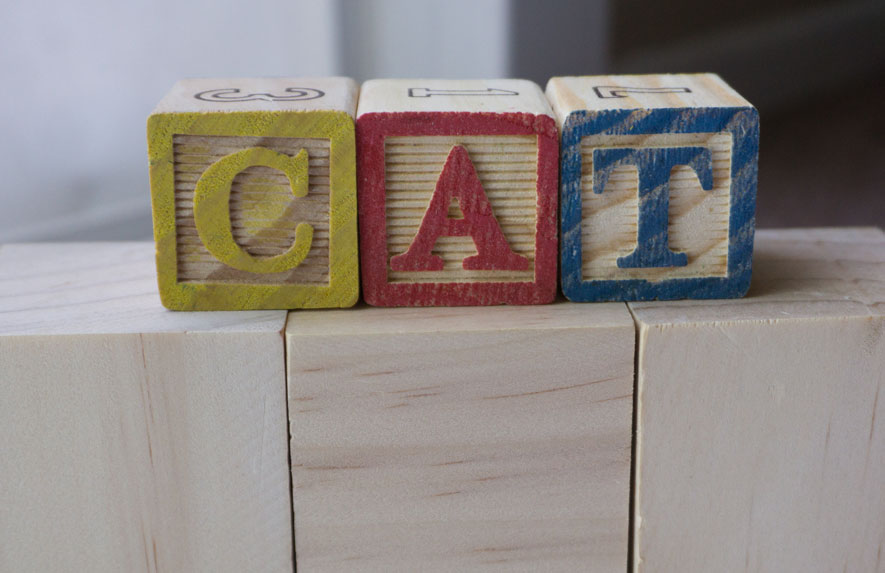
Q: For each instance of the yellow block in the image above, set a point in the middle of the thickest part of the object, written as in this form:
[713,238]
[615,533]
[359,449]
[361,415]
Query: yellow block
[254,194]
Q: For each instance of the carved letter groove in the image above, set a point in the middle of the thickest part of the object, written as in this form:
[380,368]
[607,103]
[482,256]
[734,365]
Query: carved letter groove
[459,180]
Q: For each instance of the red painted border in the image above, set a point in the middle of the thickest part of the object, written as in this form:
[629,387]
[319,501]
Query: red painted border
[371,131]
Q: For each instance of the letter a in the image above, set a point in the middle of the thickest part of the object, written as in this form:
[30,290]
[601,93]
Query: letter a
[459,179]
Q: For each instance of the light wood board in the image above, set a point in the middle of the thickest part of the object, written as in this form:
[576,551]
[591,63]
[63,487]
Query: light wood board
[461,439]
[760,441]
[135,438]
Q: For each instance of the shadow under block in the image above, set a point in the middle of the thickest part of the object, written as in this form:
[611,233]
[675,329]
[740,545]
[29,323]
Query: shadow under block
[457,193]
[253,185]
[134,438]
[461,439]
[761,421]
[658,187]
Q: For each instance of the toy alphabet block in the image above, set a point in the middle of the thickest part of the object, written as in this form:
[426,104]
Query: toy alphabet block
[457,193]
[254,194]
[658,187]
[461,439]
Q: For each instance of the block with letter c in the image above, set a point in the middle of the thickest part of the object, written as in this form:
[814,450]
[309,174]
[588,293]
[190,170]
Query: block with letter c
[253,189]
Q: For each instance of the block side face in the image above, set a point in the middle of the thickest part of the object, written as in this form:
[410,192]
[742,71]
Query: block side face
[708,216]
[280,225]
[790,429]
[661,91]
[452,96]
[510,162]
[115,443]
[443,465]
[226,95]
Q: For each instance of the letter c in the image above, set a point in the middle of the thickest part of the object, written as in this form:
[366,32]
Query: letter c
[212,209]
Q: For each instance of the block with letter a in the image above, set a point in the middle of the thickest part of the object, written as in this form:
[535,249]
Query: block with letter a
[253,185]
[457,193]
[658,187]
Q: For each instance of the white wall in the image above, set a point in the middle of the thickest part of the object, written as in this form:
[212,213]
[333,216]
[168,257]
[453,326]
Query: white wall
[419,39]
[80,78]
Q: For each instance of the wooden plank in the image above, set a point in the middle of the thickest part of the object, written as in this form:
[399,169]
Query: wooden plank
[461,439]
[658,183]
[254,194]
[134,438]
[457,440]
[760,441]
[457,193]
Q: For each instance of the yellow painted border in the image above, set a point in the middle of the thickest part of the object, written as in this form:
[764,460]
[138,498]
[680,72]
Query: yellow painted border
[338,127]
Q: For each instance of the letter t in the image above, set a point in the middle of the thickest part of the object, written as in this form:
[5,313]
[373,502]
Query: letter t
[653,165]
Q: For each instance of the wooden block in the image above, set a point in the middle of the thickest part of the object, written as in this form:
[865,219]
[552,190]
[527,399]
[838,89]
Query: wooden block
[134,438]
[461,439]
[658,187]
[457,193]
[760,441]
[254,194]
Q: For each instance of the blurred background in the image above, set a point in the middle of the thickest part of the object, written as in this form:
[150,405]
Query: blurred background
[80,78]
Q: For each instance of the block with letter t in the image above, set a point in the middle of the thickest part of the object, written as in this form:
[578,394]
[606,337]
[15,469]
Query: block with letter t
[457,193]
[253,185]
[658,187]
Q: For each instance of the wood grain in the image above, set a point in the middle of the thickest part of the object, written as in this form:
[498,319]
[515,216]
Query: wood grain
[760,443]
[698,223]
[452,96]
[461,439]
[134,438]
[252,192]
[507,168]
[267,94]
[576,93]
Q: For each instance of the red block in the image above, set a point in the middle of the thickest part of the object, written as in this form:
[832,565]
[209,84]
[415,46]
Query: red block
[489,149]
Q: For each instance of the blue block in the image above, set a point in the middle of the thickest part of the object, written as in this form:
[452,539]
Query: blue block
[653,165]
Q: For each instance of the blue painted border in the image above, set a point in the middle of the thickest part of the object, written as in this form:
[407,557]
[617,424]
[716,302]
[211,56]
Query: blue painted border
[741,122]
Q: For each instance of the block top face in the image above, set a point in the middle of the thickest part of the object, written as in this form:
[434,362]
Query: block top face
[101,288]
[481,96]
[385,321]
[206,95]
[598,93]
[797,274]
